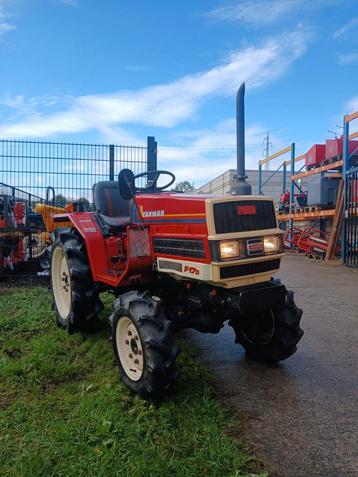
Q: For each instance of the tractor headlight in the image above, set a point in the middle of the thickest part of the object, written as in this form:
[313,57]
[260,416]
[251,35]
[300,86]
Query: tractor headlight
[230,249]
[273,244]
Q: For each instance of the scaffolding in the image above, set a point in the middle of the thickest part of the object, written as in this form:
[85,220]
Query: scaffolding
[346,210]
[284,166]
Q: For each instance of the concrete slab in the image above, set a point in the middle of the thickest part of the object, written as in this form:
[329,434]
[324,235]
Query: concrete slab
[302,415]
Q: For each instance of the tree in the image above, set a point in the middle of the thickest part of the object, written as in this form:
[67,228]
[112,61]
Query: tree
[184,186]
[59,200]
[85,204]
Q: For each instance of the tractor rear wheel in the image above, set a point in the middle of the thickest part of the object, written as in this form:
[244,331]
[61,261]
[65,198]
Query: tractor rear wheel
[271,336]
[143,344]
[75,295]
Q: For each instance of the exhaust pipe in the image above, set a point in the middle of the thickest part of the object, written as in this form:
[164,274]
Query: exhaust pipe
[240,186]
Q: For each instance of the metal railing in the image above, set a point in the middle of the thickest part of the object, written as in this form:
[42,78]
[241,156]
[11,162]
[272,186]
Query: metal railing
[38,179]
[70,168]
[350,176]
[351,219]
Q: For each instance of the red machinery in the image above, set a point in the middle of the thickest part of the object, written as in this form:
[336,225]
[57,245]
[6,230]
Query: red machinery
[22,235]
[291,237]
[315,155]
[285,197]
[25,232]
[176,261]
[12,250]
[352,193]
[309,240]
[334,148]
[284,205]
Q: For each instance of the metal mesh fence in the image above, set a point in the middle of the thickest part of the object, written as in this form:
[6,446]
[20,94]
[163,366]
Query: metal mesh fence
[37,180]
[351,219]
[70,168]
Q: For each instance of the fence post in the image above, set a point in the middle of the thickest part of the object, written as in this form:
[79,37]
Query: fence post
[152,153]
[292,189]
[345,189]
[111,162]
[260,179]
[284,178]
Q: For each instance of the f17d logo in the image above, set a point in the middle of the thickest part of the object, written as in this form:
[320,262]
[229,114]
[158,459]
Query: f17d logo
[192,270]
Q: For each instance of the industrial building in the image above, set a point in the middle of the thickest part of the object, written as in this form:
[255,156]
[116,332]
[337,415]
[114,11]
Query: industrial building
[222,183]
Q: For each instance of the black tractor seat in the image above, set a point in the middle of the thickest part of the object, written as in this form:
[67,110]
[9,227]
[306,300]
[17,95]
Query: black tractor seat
[113,210]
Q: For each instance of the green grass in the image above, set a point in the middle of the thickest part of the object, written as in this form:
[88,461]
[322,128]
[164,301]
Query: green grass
[64,412]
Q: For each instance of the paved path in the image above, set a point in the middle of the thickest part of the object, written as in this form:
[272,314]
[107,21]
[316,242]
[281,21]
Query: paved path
[301,416]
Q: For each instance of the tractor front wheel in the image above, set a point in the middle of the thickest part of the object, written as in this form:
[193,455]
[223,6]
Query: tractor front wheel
[271,336]
[143,344]
[75,296]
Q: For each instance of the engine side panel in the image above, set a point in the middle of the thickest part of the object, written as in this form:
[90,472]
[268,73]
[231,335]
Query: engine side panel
[177,225]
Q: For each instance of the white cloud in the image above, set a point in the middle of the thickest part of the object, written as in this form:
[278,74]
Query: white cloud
[22,106]
[348,58]
[213,151]
[255,12]
[346,28]
[5,26]
[352,105]
[163,105]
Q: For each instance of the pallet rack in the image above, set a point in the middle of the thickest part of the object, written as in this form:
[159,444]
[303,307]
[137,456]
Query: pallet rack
[293,216]
[350,177]
[304,216]
[340,168]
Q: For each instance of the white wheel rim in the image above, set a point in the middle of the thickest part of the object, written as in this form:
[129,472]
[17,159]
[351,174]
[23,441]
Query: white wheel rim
[130,349]
[61,282]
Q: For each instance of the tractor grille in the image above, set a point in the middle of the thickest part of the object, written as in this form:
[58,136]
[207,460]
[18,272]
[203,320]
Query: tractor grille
[179,247]
[227,218]
[249,268]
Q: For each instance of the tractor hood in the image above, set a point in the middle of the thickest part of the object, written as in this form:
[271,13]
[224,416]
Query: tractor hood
[172,208]
[218,214]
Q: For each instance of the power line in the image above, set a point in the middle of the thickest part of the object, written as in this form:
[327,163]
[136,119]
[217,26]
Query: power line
[267,145]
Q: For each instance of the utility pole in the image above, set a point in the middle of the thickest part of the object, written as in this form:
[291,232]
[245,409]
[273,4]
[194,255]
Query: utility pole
[267,145]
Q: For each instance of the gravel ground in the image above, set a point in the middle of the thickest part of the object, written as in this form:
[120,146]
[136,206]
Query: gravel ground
[302,415]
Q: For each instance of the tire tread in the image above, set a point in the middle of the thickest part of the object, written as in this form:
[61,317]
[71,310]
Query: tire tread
[284,342]
[155,331]
[86,304]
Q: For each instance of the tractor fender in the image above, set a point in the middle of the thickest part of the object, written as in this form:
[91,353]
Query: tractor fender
[86,225]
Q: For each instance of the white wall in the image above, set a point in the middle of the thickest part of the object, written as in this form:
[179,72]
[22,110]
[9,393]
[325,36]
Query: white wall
[222,183]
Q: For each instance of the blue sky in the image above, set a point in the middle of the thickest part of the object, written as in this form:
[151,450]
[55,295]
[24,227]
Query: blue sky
[119,70]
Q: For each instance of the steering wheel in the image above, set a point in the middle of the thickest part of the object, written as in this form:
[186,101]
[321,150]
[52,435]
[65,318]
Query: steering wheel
[152,180]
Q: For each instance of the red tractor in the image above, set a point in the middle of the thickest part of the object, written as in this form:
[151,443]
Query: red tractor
[174,261]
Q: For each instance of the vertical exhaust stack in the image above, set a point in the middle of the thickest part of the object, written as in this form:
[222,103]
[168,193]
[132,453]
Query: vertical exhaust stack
[240,186]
